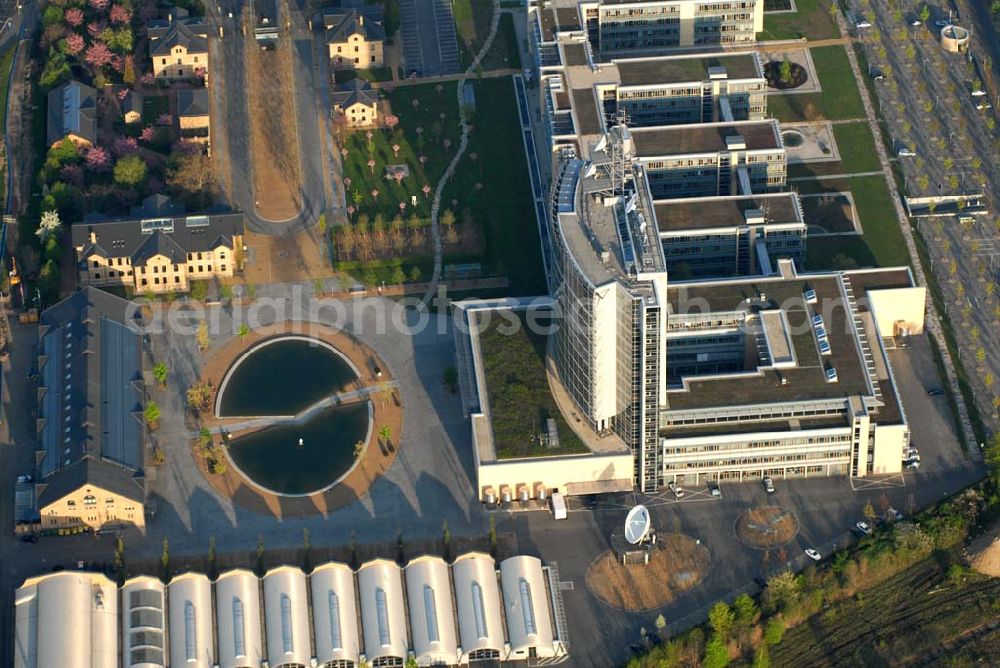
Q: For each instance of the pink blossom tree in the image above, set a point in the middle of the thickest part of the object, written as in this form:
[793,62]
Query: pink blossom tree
[96,159]
[371,164]
[147,79]
[426,190]
[391,121]
[125,146]
[375,194]
[147,133]
[99,5]
[74,17]
[95,28]
[98,55]
[122,93]
[74,44]
[120,15]
[118,63]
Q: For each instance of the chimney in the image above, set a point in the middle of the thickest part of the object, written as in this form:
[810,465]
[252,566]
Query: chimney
[93,237]
[361,20]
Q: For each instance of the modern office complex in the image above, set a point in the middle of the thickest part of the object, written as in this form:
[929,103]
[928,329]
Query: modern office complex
[687,330]
[382,615]
[617,26]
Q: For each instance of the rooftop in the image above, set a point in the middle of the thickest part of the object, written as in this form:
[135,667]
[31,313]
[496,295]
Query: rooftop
[706,213]
[687,68]
[705,138]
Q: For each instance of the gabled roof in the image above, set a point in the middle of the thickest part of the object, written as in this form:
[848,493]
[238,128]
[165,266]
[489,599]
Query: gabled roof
[90,394]
[192,36]
[341,25]
[158,226]
[354,92]
[72,110]
[132,102]
[97,473]
[192,102]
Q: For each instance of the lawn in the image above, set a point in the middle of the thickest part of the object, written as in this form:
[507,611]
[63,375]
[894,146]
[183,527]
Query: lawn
[489,189]
[857,153]
[812,21]
[839,99]
[905,620]
[369,74]
[881,244]
[518,389]
[6,62]
[472,24]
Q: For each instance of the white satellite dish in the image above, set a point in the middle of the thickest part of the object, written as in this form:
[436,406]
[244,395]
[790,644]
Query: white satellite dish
[637,524]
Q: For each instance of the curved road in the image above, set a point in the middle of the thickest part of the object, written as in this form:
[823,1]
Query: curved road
[231,141]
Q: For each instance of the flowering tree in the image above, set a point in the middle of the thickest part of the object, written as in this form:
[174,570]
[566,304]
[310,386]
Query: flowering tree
[147,79]
[147,133]
[395,150]
[118,63]
[125,146]
[74,17]
[371,164]
[426,190]
[49,225]
[96,159]
[120,15]
[391,121]
[98,55]
[74,44]
[398,175]
[95,28]
[99,5]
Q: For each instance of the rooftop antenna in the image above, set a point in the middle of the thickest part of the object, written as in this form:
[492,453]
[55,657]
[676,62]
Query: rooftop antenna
[617,148]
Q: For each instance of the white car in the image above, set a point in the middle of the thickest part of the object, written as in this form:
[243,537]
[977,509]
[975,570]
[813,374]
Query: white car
[906,152]
[914,457]
[913,465]
[916,22]
[862,24]
[676,490]
[982,106]
[813,554]
[768,485]
[979,92]
[864,528]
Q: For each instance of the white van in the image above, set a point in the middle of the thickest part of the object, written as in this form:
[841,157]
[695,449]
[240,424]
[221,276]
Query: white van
[557,504]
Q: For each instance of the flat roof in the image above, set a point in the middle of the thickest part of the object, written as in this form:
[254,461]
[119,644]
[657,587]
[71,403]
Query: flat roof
[576,54]
[704,138]
[803,382]
[687,68]
[586,109]
[702,213]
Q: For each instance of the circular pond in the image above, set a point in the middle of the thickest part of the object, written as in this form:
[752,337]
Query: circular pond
[310,444]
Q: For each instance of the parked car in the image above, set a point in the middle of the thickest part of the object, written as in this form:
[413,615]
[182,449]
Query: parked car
[864,528]
[24,479]
[676,490]
[912,465]
[813,554]
[860,25]
[935,392]
[915,457]
[768,485]
[713,489]
[906,152]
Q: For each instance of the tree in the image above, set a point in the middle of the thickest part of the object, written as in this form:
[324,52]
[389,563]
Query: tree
[721,618]
[785,71]
[746,612]
[53,15]
[199,396]
[991,457]
[716,654]
[774,631]
[56,70]
[165,558]
[260,554]
[152,415]
[130,171]
[160,372]
[385,433]
[398,276]
[98,55]
[415,274]
[205,440]
[869,512]
[189,175]
[49,226]
[925,13]
[244,331]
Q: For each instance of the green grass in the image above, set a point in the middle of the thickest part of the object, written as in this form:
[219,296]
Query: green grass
[518,389]
[857,153]
[812,21]
[900,621]
[882,243]
[502,208]
[474,26]
[370,74]
[839,99]
[6,62]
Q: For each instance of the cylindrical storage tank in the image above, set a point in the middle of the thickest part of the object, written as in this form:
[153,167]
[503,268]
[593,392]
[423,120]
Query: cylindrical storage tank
[286,616]
[477,600]
[505,496]
[526,603]
[143,622]
[335,614]
[432,616]
[490,495]
[383,620]
[190,629]
[541,493]
[237,614]
[523,494]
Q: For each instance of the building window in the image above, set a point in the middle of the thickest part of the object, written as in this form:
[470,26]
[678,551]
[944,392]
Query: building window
[222,268]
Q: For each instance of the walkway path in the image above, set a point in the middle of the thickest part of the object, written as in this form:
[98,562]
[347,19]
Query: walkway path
[463,143]
[336,399]
[820,177]
[933,320]
[417,81]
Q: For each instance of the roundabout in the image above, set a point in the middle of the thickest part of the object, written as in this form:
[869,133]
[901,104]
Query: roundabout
[306,418]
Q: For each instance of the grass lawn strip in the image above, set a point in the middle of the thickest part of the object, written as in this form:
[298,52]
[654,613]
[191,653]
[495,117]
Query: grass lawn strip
[882,243]
[857,153]
[812,21]
[839,100]
[518,389]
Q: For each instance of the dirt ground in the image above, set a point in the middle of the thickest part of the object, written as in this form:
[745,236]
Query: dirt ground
[765,527]
[375,460]
[678,563]
[984,553]
[286,259]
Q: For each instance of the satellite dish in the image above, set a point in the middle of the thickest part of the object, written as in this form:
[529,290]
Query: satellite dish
[637,525]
